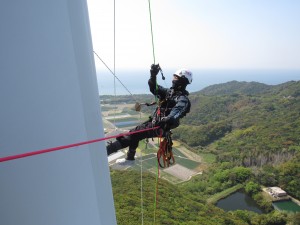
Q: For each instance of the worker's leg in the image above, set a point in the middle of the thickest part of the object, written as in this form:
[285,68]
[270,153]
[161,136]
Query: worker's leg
[133,140]
[113,147]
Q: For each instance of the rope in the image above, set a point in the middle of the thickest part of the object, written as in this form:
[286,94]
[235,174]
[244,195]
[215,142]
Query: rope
[152,38]
[156,184]
[151,32]
[115,90]
[156,194]
[156,99]
[23,155]
[142,201]
[114,75]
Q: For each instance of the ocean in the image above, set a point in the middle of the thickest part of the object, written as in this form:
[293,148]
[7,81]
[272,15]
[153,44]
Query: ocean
[136,82]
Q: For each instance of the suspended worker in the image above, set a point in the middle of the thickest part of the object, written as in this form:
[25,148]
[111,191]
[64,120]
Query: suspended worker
[172,106]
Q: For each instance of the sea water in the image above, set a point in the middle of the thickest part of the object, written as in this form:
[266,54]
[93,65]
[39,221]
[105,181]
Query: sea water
[136,82]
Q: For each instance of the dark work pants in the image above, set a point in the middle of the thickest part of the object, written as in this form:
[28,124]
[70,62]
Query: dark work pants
[133,140]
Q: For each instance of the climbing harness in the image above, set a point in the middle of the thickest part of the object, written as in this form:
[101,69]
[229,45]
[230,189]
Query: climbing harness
[165,153]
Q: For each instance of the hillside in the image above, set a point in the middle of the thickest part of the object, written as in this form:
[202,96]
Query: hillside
[252,129]
[259,129]
[186,203]
[251,88]
[235,87]
[174,205]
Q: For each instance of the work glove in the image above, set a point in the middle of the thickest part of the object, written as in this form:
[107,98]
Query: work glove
[154,70]
[164,123]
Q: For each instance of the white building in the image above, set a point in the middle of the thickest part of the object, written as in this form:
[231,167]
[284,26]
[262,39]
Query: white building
[277,192]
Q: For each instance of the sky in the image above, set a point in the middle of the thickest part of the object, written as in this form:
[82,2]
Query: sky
[196,34]
[217,34]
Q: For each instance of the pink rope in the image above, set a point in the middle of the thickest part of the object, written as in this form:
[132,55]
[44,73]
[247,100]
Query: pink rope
[27,154]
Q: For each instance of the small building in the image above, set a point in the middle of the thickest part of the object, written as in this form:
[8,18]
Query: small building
[277,192]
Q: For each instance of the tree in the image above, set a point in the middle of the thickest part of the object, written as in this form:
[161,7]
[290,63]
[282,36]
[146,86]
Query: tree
[252,188]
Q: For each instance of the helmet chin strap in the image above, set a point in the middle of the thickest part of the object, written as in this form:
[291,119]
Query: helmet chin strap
[177,85]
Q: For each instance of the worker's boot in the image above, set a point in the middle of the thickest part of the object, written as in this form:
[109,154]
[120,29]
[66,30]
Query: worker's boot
[130,154]
[113,147]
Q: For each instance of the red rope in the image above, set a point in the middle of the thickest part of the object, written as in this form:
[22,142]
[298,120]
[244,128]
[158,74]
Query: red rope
[27,154]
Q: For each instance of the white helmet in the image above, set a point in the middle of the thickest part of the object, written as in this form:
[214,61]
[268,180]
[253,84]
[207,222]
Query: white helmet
[185,73]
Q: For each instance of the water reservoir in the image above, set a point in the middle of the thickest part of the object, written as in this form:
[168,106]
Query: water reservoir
[288,205]
[239,201]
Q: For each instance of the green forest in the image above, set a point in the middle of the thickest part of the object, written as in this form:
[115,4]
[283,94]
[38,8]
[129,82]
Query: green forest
[252,129]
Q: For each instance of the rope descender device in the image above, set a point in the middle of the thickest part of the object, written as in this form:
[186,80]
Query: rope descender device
[138,105]
[165,153]
[162,74]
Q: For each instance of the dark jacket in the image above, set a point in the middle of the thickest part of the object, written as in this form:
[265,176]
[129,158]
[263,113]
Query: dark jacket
[172,104]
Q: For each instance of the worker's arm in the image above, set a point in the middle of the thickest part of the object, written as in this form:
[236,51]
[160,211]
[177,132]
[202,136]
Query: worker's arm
[155,89]
[181,108]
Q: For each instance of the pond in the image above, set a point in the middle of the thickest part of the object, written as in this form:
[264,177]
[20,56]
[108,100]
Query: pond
[122,124]
[239,201]
[289,206]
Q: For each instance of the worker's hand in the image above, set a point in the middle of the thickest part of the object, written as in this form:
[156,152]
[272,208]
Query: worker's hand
[154,69]
[164,123]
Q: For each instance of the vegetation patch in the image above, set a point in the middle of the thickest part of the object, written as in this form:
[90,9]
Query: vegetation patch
[245,135]
[208,157]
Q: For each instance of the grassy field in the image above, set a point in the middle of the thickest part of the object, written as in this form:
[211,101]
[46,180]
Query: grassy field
[208,157]
[190,164]
[177,153]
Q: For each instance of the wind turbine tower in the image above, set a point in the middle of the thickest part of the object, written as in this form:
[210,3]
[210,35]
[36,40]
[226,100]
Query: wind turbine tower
[49,97]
